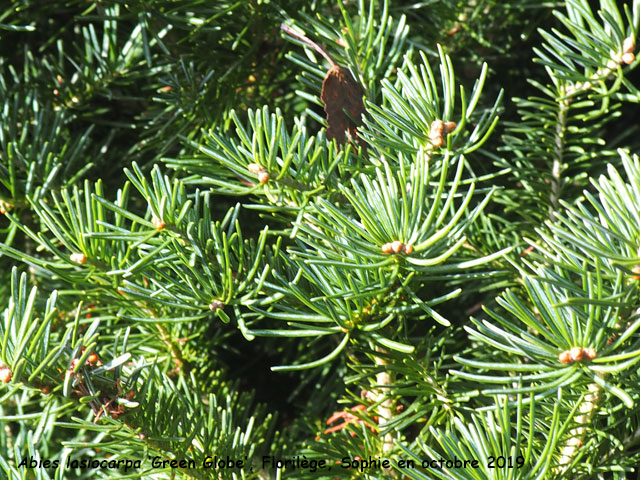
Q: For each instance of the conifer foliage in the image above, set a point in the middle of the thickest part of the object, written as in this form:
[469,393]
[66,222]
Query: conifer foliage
[327,239]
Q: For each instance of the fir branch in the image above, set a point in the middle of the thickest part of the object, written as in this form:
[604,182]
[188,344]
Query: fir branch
[556,169]
[588,408]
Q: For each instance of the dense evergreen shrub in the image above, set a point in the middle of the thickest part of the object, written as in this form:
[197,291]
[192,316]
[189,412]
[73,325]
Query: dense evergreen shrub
[319,239]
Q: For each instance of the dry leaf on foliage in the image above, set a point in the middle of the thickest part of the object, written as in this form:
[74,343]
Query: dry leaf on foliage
[342,98]
[341,95]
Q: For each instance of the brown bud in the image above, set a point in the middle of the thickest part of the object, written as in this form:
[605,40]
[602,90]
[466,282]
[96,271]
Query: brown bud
[437,128]
[576,354]
[386,248]
[5,374]
[628,58]
[157,222]
[437,141]
[628,45]
[396,246]
[255,168]
[263,177]
[4,207]
[565,357]
[216,305]
[407,249]
[449,127]
[79,258]
[590,353]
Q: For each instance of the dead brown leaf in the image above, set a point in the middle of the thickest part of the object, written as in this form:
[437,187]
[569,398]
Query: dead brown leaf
[341,95]
[342,98]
